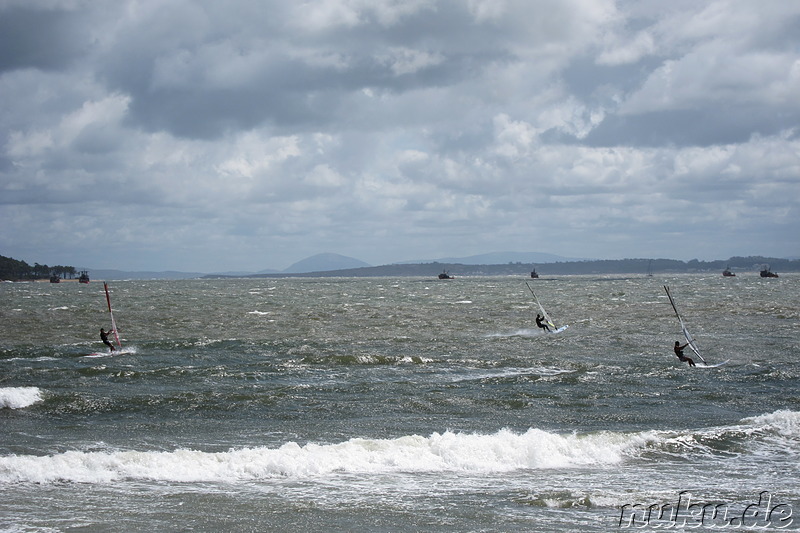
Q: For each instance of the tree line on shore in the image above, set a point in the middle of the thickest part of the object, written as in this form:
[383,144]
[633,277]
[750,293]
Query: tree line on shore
[14,270]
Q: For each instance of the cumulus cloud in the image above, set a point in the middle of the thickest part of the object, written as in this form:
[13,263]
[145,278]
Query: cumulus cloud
[199,135]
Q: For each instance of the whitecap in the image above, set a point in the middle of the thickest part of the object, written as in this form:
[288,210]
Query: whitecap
[19,397]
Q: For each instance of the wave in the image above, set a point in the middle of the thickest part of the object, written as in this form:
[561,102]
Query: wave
[524,332]
[447,452]
[783,422]
[511,372]
[19,397]
[504,451]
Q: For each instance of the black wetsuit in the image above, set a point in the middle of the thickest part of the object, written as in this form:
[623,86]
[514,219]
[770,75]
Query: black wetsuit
[679,353]
[104,338]
[540,324]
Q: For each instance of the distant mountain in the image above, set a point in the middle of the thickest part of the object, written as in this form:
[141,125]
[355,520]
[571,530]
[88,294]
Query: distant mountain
[499,258]
[325,262]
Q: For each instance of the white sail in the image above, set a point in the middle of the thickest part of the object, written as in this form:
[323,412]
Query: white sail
[689,338]
[113,324]
[541,308]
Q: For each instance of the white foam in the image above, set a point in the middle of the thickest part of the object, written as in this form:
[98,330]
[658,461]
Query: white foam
[447,452]
[125,350]
[783,422]
[510,372]
[19,397]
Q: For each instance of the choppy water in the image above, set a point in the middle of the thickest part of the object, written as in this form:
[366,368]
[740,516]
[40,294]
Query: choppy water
[397,405]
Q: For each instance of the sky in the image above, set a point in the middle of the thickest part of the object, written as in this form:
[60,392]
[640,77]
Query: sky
[207,136]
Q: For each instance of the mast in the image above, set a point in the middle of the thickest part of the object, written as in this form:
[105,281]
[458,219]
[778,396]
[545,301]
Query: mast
[689,338]
[110,312]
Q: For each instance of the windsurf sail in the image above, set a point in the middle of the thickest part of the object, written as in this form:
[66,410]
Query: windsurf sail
[689,338]
[110,312]
[544,313]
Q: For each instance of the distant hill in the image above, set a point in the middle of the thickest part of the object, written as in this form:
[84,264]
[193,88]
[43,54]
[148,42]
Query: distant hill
[498,264]
[499,258]
[743,265]
[325,262]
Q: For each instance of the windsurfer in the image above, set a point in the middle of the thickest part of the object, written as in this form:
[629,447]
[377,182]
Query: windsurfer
[540,322]
[104,338]
[679,352]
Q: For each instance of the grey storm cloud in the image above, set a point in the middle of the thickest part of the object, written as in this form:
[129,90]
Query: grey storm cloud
[202,135]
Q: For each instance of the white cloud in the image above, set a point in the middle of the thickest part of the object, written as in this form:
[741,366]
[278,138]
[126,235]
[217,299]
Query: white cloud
[247,135]
[637,47]
[252,154]
[324,176]
[513,138]
[323,15]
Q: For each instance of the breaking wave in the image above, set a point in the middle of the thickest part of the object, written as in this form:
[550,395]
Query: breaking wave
[503,451]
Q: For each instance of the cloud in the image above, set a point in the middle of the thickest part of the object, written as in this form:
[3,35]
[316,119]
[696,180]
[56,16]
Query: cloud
[199,135]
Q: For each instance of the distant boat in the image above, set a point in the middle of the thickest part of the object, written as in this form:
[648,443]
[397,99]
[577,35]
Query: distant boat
[767,273]
[84,277]
[727,273]
[55,278]
[534,274]
[650,269]
[445,275]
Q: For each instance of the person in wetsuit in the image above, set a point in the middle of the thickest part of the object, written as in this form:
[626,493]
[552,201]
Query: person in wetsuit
[679,352]
[104,338]
[540,322]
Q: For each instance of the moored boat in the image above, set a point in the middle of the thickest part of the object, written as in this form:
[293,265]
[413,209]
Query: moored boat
[767,273]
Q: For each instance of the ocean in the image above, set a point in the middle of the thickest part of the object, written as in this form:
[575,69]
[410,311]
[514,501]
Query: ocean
[400,404]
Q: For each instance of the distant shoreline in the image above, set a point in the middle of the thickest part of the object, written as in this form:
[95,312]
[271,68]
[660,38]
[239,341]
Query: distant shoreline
[743,267]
